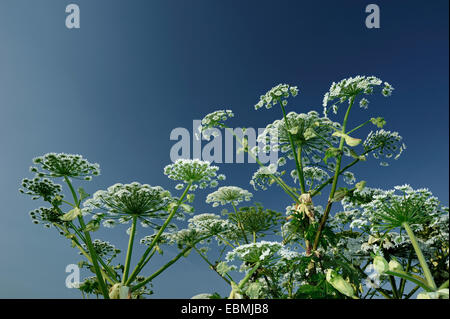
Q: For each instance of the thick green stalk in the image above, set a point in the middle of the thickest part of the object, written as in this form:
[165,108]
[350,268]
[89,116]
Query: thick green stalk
[423,262]
[89,244]
[291,141]
[249,274]
[130,250]
[335,179]
[155,240]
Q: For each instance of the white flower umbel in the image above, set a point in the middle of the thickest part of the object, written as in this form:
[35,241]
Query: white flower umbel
[309,131]
[64,165]
[262,251]
[38,188]
[387,144]
[124,201]
[263,177]
[349,88]
[279,93]
[215,119]
[228,195]
[194,172]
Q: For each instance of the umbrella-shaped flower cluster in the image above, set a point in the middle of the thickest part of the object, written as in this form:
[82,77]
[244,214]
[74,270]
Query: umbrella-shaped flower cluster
[277,94]
[122,202]
[228,195]
[64,165]
[194,172]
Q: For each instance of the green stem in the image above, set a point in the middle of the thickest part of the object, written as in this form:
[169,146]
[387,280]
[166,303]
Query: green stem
[335,179]
[155,240]
[240,224]
[160,270]
[358,127]
[211,265]
[249,274]
[130,250]
[403,280]
[291,141]
[423,262]
[89,244]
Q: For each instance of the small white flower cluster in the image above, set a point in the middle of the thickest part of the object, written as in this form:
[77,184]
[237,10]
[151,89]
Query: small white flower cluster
[37,188]
[363,216]
[388,144]
[262,251]
[228,195]
[263,177]
[104,249]
[215,119]
[195,172]
[65,165]
[350,88]
[311,174]
[123,201]
[214,225]
[309,131]
[47,216]
[277,94]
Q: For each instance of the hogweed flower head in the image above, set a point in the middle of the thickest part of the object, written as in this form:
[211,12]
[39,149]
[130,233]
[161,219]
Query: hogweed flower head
[38,187]
[124,201]
[195,172]
[263,177]
[104,249]
[311,132]
[349,88]
[47,216]
[228,195]
[262,251]
[388,144]
[65,165]
[279,93]
[215,119]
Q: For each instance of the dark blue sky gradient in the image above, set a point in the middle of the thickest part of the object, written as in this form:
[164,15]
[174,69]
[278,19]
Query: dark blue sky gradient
[114,89]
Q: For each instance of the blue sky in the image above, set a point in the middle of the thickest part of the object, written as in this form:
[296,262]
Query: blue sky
[114,89]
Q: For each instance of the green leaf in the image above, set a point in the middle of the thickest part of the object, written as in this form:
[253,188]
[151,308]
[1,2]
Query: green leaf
[83,194]
[71,215]
[331,152]
[379,121]
[350,141]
